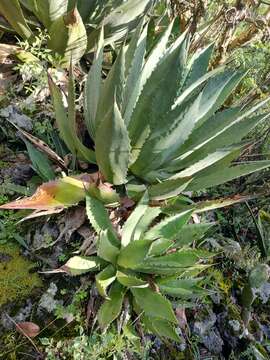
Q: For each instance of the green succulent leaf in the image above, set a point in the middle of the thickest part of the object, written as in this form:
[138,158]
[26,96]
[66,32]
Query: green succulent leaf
[40,162]
[168,188]
[183,288]
[198,65]
[104,193]
[108,246]
[68,37]
[134,60]
[169,227]
[120,21]
[78,265]
[216,176]
[104,279]
[131,225]
[151,63]
[97,214]
[146,220]
[93,87]
[130,279]
[154,304]
[111,92]
[172,263]
[111,307]
[12,11]
[161,328]
[67,123]
[113,147]
[160,246]
[191,233]
[46,10]
[133,254]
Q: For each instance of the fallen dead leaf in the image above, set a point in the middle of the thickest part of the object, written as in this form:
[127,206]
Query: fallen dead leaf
[27,328]
[181,317]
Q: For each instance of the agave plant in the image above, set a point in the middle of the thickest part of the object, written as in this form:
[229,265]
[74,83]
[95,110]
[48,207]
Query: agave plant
[157,120]
[73,26]
[144,264]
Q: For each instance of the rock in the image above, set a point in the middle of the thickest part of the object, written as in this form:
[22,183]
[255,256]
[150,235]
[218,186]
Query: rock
[12,114]
[264,292]
[22,173]
[22,315]
[47,301]
[207,331]
[213,341]
[203,326]
[44,236]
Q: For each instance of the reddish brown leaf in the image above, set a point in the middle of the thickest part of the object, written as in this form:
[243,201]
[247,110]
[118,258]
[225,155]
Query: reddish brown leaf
[27,328]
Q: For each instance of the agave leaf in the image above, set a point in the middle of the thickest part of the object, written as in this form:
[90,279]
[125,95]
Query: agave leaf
[161,328]
[55,194]
[209,129]
[212,178]
[108,246]
[120,21]
[169,227]
[86,8]
[104,279]
[183,119]
[171,264]
[130,280]
[43,147]
[146,298]
[183,288]
[229,135]
[12,12]
[191,233]
[135,190]
[93,86]
[78,265]
[97,214]
[197,66]
[68,37]
[216,91]
[46,10]
[210,160]
[168,188]
[40,163]
[149,216]
[134,59]
[132,48]
[133,254]
[105,193]
[131,223]
[224,128]
[112,90]
[151,63]
[112,147]
[167,75]
[207,205]
[67,124]
[159,247]
[111,307]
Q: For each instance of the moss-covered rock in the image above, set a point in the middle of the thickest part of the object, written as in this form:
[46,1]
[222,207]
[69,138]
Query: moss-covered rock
[16,280]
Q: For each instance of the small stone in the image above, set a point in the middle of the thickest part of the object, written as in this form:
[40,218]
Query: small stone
[213,341]
[47,301]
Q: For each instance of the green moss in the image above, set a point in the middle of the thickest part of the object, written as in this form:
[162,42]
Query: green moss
[16,281]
